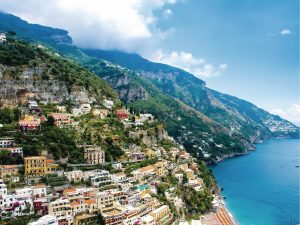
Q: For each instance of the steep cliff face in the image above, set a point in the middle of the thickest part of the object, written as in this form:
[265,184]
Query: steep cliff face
[237,115]
[151,136]
[210,124]
[127,91]
[47,78]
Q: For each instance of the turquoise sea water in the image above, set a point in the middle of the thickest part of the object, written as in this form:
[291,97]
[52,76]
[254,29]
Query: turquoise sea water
[262,188]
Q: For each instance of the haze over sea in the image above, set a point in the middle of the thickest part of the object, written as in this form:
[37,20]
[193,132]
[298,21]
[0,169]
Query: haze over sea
[262,188]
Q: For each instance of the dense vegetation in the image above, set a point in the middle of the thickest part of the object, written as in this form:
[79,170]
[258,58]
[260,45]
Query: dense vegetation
[22,54]
[243,119]
[178,118]
[16,54]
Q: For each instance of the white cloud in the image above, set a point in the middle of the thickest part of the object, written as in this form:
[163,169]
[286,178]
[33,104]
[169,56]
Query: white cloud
[167,13]
[292,113]
[223,66]
[128,25]
[285,32]
[186,61]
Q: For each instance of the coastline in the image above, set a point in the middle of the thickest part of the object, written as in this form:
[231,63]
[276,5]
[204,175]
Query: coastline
[239,200]
[223,158]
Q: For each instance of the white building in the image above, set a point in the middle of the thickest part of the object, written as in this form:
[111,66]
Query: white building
[108,104]
[148,220]
[101,178]
[133,198]
[3,189]
[75,175]
[119,177]
[76,112]
[85,108]
[14,150]
[18,205]
[61,209]
[45,220]
[61,108]
[24,191]
[2,38]
[145,118]
[6,201]
[6,142]
[33,104]
[117,166]
[39,190]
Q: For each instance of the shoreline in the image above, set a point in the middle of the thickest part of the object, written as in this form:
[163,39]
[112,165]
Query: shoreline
[265,145]
[248,151]
[225,157]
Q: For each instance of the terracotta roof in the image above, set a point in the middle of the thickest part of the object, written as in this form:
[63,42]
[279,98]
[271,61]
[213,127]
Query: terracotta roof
[89,202]
[119,174]
[74,203]
[57,116]
[27,123]
[49,161]
[40,185]
[8,166]
[69,190]
[35,157]
[146,168]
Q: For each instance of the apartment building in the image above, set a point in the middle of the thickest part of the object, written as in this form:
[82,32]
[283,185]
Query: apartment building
[94,155]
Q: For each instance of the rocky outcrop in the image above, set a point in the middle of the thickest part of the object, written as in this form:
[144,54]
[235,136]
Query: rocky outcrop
[18,84]
[127,91]
[132,94]
[13,93]
[150,137]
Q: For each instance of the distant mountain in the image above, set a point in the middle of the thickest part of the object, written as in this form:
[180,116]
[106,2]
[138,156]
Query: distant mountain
[210,124]
[33,31]
[235,114]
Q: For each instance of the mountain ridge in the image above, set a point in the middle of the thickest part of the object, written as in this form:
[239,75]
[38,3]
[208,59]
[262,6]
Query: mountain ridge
[178,98]
[196,94]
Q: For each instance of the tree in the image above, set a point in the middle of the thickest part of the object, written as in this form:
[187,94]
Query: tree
[12,33]
[50,121]
[185,179]
[5,158]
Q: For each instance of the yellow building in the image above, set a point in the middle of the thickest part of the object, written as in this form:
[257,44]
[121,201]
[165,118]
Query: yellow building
[160,168]
[161,213]
[190,174]
[150,153]
[51,166]
[38,166]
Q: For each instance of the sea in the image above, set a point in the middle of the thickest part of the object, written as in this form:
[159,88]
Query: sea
[262,187]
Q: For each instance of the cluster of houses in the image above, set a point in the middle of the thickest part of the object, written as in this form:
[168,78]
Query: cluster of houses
[32,116]
[120,196]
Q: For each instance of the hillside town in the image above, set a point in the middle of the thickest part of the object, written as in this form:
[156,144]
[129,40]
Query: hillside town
[145,185]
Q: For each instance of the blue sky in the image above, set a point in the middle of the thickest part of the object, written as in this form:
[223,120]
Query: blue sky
[247,48]
[246,35]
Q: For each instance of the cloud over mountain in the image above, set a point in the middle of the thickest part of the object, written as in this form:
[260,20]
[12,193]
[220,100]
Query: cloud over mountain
[186,61]
[128,25]
[291,113]
[125,25]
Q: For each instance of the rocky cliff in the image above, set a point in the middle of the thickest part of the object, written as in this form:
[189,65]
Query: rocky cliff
[47,78]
